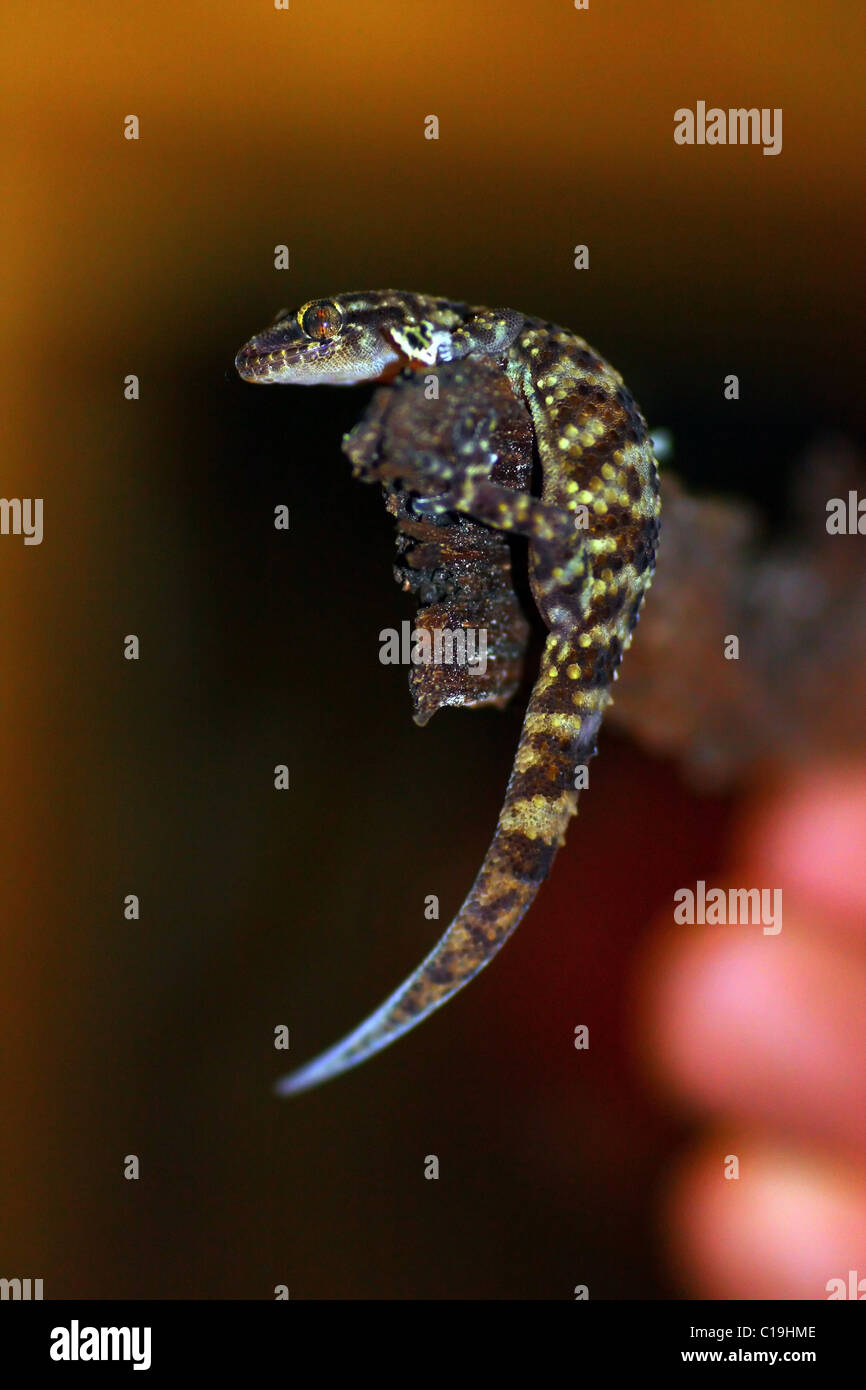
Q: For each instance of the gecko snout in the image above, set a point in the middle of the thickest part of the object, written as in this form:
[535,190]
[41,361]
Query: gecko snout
[272,357]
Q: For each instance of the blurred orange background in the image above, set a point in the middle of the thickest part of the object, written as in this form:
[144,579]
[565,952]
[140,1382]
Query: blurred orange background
[155,257]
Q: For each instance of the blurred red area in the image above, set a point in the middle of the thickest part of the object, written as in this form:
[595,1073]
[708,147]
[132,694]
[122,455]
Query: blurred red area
[762,1032]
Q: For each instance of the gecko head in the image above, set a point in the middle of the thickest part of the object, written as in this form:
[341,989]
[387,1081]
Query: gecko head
[347,339]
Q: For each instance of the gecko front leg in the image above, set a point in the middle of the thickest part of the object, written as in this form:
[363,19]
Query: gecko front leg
[459,469]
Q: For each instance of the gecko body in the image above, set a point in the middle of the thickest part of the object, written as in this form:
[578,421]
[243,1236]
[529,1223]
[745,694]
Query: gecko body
[592,537]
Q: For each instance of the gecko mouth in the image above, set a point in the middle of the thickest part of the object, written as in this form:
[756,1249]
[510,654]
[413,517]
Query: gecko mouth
[262,361]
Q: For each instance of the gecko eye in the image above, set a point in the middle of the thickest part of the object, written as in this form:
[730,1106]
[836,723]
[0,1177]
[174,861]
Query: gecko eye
[321,319]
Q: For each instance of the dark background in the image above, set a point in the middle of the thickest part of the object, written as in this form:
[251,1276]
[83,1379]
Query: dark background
[156,257]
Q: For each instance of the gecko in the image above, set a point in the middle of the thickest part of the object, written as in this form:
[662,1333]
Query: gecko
[592,537]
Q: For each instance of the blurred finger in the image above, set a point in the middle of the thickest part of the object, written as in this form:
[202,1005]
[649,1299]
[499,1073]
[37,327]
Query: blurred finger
[785,1228]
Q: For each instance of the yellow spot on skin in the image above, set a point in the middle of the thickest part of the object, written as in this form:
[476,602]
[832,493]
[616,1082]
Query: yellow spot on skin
[584,640]
[540,819]
[548,721]
[592,432]
[527,757]
[573,673]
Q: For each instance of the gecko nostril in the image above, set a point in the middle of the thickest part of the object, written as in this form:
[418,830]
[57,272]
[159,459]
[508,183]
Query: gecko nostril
[248,363]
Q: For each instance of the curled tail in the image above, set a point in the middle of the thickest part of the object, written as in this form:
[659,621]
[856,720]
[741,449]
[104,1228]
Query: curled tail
[539,803]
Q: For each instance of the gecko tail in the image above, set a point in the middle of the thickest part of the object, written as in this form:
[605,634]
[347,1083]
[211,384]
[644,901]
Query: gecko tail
[539,803]
[402,1011]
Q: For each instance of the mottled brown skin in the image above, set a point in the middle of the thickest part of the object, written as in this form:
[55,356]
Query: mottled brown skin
[592,543]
